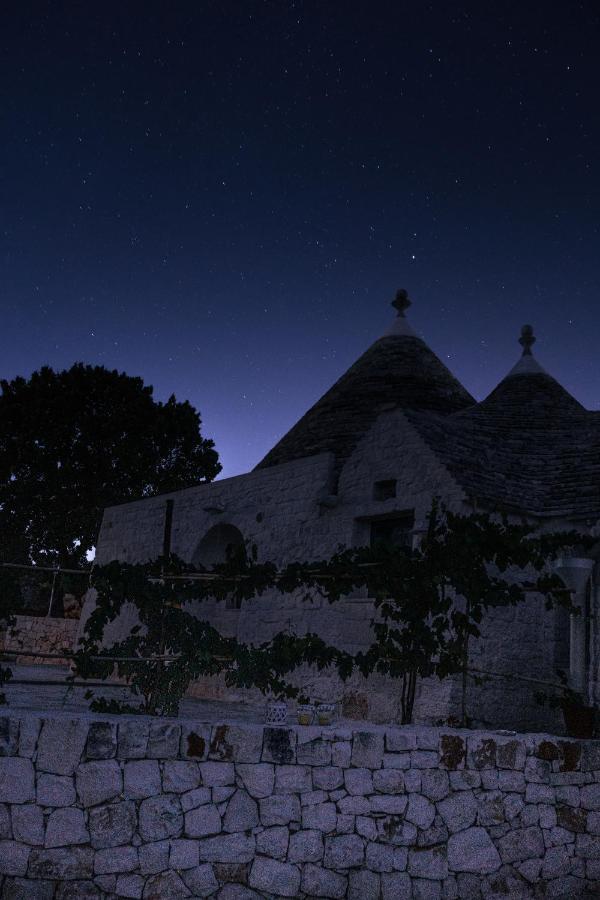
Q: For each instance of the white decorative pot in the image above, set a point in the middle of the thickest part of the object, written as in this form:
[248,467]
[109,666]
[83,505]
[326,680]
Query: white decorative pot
[276,712]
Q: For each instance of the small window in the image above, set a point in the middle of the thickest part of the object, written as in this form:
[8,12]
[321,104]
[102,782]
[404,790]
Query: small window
[384,490]
[392,532]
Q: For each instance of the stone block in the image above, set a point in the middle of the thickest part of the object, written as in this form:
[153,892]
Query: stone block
[194,742]
[452,751]
[327,778]
[13,858]
[359,781]
[154,857]
[17,783]
[458,811]
[341,754]
[379,857]
[258,779]
[464,780]
[273,842]
[420,811]
[60,745]
[221,794]
[167,884]
[424,759]
[101,740]
[537,770]
[394,804]
[279,746]
[319,882]
[202,821]
[590,756]
[539,793]
[511,754]
[29,733]
[133,739]
[481,752]
[183,854]
[305,846]
[323,817]
[201,880]
[388,781]
[281,810]
[180,776]
[236,743]
[293,779]
[112,825]
[228,848]
[314,753]
[130,886]
[396,760]
[523,843]
[509,781]
[366,827]
[63,864]
[26,889]
[28,824]
[430,862]
[589,796]
[115,859]
[398,740]
[55,790]
[66,826]
[344,851]
[588,846]
[163,740]
[363,885]
[99,781]
[241,813]
[412,781]
[396,886]
[217,774]
[435,784]
[160,818]
[274,877]
[354,806]
[311,798]
[141,779]
[367,749]
[196,798]
[471,850]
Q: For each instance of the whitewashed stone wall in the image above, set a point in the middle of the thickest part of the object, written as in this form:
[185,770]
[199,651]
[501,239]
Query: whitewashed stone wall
[281,511]
[39,634]
[141,808]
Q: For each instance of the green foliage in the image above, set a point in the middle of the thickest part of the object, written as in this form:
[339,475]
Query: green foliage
[429,603]
[9,598]
[76,441]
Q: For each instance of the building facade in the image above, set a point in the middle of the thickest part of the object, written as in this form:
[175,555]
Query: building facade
[363,464]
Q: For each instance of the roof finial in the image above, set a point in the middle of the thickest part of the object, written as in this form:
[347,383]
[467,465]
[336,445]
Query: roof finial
[401,301]
[527,339]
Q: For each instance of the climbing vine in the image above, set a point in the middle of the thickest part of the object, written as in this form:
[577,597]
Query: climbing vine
[429,603]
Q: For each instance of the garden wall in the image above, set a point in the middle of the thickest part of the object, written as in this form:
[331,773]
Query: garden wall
[134,807]
[40,634]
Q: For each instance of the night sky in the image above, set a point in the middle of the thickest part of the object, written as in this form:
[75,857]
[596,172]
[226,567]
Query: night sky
[223,197]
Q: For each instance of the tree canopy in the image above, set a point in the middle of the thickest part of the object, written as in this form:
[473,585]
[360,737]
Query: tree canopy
[75,441]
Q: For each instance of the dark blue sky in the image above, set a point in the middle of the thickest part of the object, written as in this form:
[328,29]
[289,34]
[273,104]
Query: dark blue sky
[223,197]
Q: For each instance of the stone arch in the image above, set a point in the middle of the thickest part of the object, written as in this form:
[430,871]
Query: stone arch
[218,542]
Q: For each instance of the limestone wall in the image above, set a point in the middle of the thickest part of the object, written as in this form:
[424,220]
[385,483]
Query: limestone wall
[140,808]
[39,634]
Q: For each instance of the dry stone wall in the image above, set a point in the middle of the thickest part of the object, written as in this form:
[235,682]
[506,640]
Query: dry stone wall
[141,808]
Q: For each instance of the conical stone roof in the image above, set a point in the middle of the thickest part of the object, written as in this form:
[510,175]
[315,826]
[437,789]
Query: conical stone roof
[399,369]
[529,446]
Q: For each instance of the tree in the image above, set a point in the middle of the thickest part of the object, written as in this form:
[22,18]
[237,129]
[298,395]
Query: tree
[428,603]
[76,441]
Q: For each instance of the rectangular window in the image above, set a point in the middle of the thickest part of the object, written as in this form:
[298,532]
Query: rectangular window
[395,531]
[384,490]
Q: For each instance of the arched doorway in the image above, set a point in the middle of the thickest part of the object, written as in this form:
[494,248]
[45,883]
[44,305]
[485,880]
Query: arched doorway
[216,546]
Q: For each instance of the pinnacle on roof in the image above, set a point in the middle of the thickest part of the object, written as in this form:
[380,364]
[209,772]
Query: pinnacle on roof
[400,326]
[528,394]
[527,364]
[398,369]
